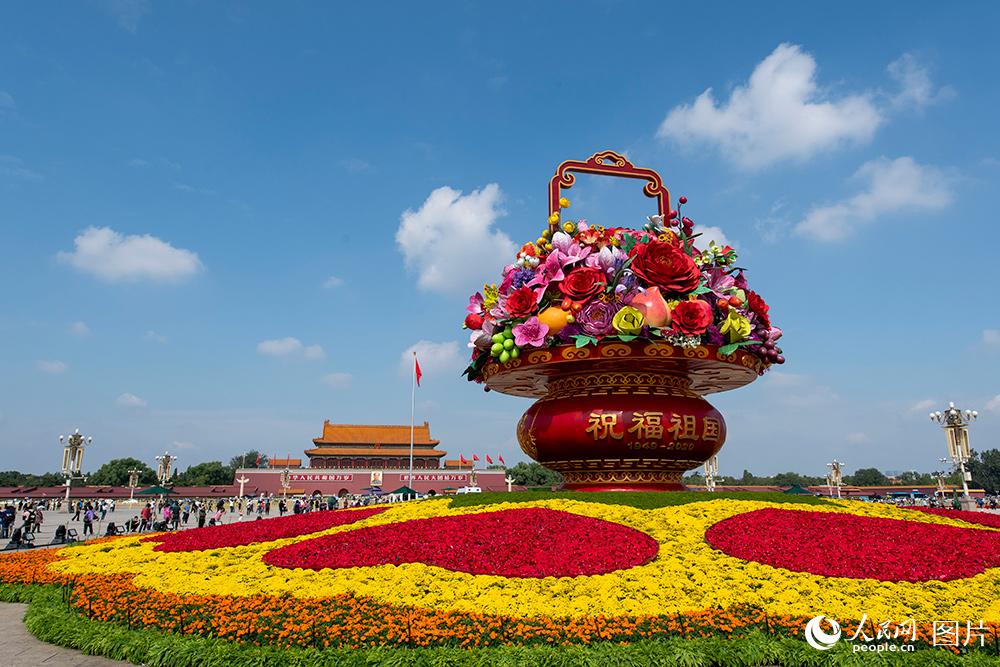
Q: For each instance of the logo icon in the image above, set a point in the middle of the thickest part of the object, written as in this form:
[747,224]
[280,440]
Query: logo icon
[819,640]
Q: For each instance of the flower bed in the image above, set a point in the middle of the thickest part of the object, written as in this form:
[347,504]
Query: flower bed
[263,530]
[883,549]
[982,518]
[430,573]
[532,542]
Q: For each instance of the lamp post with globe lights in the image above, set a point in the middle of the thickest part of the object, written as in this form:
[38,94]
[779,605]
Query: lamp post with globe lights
[711,472]
[164,468]
[835,478]
[955,423]
[133,482]
[73,458]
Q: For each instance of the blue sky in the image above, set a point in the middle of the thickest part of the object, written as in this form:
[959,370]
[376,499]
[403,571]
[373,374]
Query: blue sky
[201,205]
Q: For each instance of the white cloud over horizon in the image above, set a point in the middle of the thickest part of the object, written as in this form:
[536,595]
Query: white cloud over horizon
[890,186]
[450,241]
[780,113]
[993,405]
[916,90]
[79,329]
[290,346]
[338,380]
[51,366]
[333,282]
[435,358]
[128,400]
[991,336]
[114,257]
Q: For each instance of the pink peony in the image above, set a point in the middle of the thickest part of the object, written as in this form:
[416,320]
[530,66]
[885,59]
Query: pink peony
[531,333]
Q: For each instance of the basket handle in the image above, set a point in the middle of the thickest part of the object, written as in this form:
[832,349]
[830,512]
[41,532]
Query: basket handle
[606,163]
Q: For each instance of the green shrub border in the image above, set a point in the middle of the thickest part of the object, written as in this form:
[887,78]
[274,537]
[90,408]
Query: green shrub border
[50,619]
[639,499]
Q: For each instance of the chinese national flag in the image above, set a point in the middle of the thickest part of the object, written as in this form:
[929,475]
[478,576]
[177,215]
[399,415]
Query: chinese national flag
[475,458]
[489,460]
[461,459]
[416,369]
[257,462]
[500,457]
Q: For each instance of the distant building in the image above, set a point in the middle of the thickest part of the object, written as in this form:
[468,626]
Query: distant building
[352,446]
[353,458]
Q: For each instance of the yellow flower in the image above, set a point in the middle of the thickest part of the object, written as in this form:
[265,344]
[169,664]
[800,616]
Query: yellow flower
[568,227]
[628,321]
[491,296]
[554,218]
[736,325]
[563,202]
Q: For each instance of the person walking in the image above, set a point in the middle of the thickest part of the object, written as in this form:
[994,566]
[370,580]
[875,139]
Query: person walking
[38,517]
[147,517]
[88,520]
[79,508]
[201,515]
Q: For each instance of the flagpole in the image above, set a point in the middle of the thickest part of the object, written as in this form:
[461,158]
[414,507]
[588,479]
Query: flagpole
[413,403]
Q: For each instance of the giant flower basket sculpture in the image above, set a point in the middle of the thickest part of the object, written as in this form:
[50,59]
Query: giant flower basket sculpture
[620,333]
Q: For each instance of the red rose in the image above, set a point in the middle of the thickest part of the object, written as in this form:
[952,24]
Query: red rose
[665,265]
[759,308]
[520,302]
[583,283]
[474,321]
[692,317]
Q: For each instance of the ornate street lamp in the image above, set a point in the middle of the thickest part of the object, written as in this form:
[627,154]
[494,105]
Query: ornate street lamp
[73,458]
[286,481]
[133,482]
[164,468]
[711,472]
[955,423]
[835,478]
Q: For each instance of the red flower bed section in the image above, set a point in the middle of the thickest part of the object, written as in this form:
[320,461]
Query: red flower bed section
[982,518]
[530,542]
[265,530]
[846,545]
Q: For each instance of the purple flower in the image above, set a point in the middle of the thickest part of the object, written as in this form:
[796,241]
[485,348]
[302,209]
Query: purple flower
[741,281]
[569,251]
[718,281]
[595,318]
[530,333]
[522,277]
[715,336]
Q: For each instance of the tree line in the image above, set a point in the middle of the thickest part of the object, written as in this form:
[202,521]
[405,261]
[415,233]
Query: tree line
[984,466]
[116,471]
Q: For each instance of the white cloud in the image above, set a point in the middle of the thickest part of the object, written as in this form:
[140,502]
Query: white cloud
[154,337]
[13,166]
[127,13]
[858,438]
[991,336]
[450,241]
[79,329]
[138,163]
[184,187]
[113,257]
[709,233]
[337,380]
[892,186]
[6,100]
[800,391]
[333,281]
[289,346]
[923,407]
[441,359]
[177,444]
[51,366]
[993,405]
[780,113]
[356,165]
[127,400]
[916,90]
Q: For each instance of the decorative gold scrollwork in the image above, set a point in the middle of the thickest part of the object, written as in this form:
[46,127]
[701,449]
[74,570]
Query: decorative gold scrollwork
[539,357]
[615,350]
[658,350]
[575,352]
